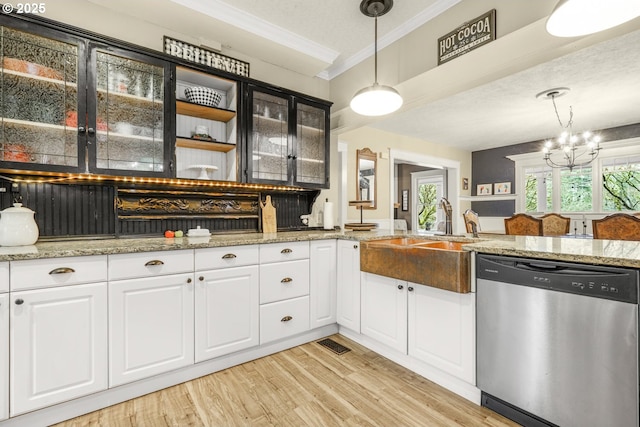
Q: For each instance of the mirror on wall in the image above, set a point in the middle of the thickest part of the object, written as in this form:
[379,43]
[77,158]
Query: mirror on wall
[366,176]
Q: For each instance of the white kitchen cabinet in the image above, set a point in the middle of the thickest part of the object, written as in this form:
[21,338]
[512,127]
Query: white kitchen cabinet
[284,280]
[442,329]
[322,282]
[4,277]
[384,310]
[348,284]
[63,271]
[58,345]
[150,326]
[284,318]
[226,311]
[4,355]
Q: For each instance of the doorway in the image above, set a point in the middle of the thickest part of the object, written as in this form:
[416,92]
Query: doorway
[428,188]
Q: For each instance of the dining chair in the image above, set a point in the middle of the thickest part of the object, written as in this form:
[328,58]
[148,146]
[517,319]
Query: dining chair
[469,217]
[523,225]
[554,224]
[618,226]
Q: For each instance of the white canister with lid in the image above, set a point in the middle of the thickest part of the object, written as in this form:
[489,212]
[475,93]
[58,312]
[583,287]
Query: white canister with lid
[18,226]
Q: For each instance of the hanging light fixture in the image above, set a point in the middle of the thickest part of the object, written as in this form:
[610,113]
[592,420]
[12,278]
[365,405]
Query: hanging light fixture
[577,149]
[376,100]
[572,18]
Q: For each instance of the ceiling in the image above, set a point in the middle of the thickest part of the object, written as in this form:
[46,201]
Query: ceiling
[326,38]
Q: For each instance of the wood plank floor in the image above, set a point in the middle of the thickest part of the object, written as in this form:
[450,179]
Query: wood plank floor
[305,386]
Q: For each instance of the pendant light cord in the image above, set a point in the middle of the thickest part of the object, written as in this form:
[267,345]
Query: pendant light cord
[375,47]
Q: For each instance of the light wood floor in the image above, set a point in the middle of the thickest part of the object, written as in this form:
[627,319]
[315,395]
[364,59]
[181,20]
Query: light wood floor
[304,386]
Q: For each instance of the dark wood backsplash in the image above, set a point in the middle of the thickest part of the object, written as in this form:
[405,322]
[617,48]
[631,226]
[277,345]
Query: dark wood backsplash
[80,210]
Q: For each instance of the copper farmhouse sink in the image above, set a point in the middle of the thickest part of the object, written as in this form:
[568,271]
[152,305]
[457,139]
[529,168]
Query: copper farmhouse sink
[440,264]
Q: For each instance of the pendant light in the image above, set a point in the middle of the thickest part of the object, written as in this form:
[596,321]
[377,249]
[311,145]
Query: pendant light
[376,100]
[572,18]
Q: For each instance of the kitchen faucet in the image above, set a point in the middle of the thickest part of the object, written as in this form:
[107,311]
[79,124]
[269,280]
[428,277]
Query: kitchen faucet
[474,227]
[446,207]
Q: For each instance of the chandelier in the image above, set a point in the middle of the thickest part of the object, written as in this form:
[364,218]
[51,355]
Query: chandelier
[570,150]
[377,99]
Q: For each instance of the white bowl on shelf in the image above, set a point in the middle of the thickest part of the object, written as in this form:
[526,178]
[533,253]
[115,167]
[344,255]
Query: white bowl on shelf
[204,169]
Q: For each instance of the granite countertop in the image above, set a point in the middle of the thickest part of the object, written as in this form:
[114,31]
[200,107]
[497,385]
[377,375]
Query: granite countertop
[603,252]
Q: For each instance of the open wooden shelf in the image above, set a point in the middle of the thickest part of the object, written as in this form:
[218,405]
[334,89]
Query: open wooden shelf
[204,112]
[223,147]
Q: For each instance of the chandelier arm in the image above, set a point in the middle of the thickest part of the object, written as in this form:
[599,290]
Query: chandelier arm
[555,107]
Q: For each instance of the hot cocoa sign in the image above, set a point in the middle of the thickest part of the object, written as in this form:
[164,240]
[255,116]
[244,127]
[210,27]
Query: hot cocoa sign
[467,37]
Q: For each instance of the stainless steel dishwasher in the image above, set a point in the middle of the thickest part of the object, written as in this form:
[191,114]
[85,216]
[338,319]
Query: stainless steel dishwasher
[557,342]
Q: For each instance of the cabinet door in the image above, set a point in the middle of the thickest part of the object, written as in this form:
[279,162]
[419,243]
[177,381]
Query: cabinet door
[270,153]
[41,72]
[442,330]
[348,285]
[322,276]
[150,326]
[4,356]
[311,147]
[58,345]
[227,310]
[384,310]
[128,122]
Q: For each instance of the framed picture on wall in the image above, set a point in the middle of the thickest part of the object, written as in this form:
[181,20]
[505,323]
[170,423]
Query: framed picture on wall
[502,188]
[484,189]
[405,200]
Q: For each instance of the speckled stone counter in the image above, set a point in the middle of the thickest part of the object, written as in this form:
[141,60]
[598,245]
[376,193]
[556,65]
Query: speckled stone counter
[590,251]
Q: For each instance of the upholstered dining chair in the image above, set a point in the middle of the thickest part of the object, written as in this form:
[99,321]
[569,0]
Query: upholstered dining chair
[554,224]
[523,225]
[618,226]
[469,217]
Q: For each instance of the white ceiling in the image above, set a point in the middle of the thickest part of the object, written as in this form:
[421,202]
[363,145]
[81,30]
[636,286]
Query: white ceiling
[327,37]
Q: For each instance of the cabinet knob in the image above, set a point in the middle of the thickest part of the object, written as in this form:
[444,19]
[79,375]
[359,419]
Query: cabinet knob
[62,270]
[81,129]
[189,280]
[400,287]
[286,319]
[355,246]
[286,251]
[201,278]
[153,262]
[91,131]
[410,288]
[229,256]
[19,301]
[286,280]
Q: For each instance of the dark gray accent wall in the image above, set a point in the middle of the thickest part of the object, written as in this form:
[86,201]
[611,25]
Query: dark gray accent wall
[491,166]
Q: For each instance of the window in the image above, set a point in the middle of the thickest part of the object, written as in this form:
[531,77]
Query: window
[610,184]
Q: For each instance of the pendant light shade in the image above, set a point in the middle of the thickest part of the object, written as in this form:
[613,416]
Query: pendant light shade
[572,18]
[376,100]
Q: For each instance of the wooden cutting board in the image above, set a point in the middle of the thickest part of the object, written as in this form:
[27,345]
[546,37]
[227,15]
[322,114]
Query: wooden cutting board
[269,224]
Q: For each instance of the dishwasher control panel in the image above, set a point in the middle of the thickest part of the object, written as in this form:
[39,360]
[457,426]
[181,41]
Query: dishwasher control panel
[619,284]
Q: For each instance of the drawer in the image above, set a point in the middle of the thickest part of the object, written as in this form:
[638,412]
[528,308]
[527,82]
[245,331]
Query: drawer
[145,264]
[284,318]
[284,280]
[289,251]
[227,256]
[44,273]
[4,277]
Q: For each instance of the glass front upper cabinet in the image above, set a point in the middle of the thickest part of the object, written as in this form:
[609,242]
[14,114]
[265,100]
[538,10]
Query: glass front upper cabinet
[288,139]
[117,125]
[38,99]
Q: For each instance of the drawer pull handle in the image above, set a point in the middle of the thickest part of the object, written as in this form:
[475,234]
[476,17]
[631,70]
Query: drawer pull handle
[286,280]
[62,270]
[286,319]
[153,262]
[229,256]
[286,251]
[19,301]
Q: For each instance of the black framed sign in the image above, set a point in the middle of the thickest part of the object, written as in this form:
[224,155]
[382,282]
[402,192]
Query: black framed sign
[469,36]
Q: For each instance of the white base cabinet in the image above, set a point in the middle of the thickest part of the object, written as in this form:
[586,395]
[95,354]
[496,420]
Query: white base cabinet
[348,286]
[226,311]
[58,345]
[4,356]
[150,326]
[322,282]
[429,324]
[384,310]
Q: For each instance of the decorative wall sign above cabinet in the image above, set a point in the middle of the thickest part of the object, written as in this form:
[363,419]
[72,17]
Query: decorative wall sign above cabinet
[201,56]
[467,37]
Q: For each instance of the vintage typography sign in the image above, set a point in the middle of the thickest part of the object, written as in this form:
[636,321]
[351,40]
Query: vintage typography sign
[201,56]
[467,37]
